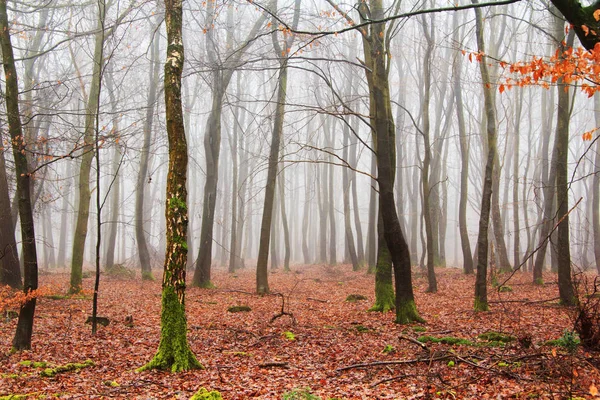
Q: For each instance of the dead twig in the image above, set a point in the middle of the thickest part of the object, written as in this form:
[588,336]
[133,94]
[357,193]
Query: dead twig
[283,312]
[394,362]
[415,341]
[274,364]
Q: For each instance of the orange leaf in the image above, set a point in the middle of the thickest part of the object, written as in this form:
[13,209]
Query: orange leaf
[501,88]
[597,15]
[553,352]
[585,29]
[593,388]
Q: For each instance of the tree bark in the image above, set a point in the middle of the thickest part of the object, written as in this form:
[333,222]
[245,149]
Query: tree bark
[262,284]
[173,350]
[481,302]
[83,188]
[142,178]
[426,189]
[212,144]
[380,112]
[10,272]
[596,189]
[24,330]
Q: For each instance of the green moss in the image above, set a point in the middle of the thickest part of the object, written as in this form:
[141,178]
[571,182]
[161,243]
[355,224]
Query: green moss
[445,340]
[451,363]
[385,300]
[300,394]
[407,313]
[236,309]
[361,328]
[204,394]
[238,353]
[207,285]
[176,202]
[147,276]
[34,364]
[480,305]
[496,337]
[15,397]
[388,349]
[418,328]
[51,372]
[505,289]
[353,298]
[173,350]
[539,281]
[289,335]
[180,241]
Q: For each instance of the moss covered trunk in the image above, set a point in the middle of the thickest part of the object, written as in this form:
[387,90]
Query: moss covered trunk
[173,350]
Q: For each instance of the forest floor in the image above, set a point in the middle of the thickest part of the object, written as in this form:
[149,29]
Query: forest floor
[246,355]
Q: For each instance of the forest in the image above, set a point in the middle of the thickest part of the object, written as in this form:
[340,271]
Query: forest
[281,199]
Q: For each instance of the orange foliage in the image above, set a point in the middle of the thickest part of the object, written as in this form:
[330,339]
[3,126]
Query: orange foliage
[572,66]
[14,299]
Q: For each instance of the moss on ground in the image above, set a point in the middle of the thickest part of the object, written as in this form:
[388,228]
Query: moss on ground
[52,372]
[203,394]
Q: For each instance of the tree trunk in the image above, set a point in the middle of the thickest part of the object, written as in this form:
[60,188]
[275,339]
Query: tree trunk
[83,188]
[24,330]
[142,178]
[380,112]
[481,302]
[262,284]
[173,350]
[212,143]
[561,145]
[373,218]
[284,221]
[346,197]
[426,189]
[10,272]
[596,189]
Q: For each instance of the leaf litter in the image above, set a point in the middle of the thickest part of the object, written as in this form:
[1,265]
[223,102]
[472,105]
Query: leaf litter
[337,349]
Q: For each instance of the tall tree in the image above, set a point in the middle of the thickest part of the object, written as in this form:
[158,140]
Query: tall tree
[83,188]
[376,53]
[23,333]
[282,51]
[221,77]
[140,194]
[481,302]
[173,350]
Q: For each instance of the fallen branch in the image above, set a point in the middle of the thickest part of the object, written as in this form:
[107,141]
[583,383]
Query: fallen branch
[415,341]
[319,300]
[272,364]
[394,362]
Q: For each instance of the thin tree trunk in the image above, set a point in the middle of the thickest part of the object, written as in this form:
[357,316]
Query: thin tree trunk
[481,302]
[596,189]
[284,221]
[83,188]
[10,272]
[142,178]
[262,284]
[426,189]
[563,247]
